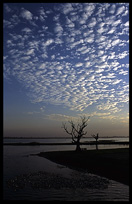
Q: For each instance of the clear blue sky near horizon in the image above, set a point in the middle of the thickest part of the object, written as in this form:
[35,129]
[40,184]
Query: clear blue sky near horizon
[62,61]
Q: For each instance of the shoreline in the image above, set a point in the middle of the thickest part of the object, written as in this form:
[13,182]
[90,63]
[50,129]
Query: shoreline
[66,143]
[110,163]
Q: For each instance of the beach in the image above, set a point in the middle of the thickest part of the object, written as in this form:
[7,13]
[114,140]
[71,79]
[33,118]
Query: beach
[110,163]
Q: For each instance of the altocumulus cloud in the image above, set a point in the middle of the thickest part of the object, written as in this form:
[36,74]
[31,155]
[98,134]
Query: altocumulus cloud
[76,57]
[26,14]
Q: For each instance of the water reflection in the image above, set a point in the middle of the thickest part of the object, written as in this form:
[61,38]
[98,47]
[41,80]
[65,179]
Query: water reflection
[19,162]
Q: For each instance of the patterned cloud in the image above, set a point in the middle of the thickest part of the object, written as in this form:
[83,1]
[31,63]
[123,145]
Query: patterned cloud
[72,54]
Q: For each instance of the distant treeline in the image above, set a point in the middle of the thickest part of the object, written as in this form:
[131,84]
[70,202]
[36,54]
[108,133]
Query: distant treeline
[61,137]
[36,137]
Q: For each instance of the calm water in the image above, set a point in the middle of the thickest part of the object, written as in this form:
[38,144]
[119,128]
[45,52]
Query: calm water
[53,140]
[20,166]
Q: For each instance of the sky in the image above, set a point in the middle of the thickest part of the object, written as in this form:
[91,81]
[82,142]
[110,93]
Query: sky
[62,61]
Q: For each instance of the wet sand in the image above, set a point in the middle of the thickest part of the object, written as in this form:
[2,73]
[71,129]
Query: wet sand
[110,163]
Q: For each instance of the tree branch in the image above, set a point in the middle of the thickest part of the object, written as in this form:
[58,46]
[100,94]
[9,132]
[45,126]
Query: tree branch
[73,126]
[76,130]
[65,128]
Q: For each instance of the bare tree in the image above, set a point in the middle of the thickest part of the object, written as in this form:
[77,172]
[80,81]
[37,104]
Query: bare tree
[77,131]
[96,137]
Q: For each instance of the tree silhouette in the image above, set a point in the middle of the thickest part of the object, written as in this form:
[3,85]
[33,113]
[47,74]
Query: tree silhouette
[77,131]
[96,137]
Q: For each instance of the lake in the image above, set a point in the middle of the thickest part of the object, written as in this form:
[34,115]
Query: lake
[25,172]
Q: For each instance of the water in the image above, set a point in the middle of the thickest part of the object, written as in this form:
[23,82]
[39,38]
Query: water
[61,140]
[20,166]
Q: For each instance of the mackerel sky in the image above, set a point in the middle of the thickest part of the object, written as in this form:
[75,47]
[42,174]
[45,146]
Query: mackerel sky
[63,60]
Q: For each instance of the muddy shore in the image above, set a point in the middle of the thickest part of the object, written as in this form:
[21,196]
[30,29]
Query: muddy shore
[110,163]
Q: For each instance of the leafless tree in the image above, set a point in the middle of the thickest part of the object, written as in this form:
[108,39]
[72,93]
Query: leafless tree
[96,137]
[77,131]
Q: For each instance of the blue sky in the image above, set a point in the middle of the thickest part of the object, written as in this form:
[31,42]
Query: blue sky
[63,60]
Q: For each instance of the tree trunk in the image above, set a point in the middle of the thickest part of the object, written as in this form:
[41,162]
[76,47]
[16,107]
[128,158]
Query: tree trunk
[96,144]
[78,146]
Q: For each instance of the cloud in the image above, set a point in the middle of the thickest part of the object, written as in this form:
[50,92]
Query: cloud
[7,8]
[112,9]
[100,39]
[115,42]
[49,42]
[83,52]
[111,106]
[7,24]
[100,114]
[111,31]
[110,75]
[87,64]
[116,23]
[87,69]
[89,8]
[11,22]
[25,58]
[66,8]
[58,28]
[124,72]
[26,14]
[98,70]
[89,39]
[117,81]
[26,30]
[123,55]
[76,43]
[42,14]
[100,52]
[42,66]
[79,64]
[126,24]
[92,22]
[120,10]
[69,23]
[61,117]
[30,52]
